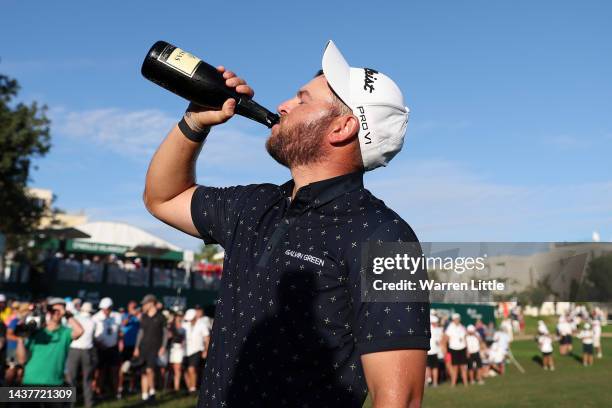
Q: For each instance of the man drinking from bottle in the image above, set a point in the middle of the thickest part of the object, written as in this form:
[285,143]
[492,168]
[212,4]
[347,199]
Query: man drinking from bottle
[291,328]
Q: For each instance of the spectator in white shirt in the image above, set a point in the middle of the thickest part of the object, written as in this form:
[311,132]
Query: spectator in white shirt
[597,338]
[473,345]
[196,336]
[81,354]
[454,340]
[586,335]
[434,355]
[499,350]
[108,323]
[564,329]
[506,327]
[206,321]
[545,344]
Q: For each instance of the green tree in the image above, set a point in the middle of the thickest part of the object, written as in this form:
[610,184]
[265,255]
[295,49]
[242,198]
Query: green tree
[598,285]
[207,252]
[24,135]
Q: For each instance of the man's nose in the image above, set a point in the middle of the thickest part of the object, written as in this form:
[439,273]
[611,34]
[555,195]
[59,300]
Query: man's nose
[285,107]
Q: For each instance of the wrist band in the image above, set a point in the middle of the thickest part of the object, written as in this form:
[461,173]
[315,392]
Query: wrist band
[191,134]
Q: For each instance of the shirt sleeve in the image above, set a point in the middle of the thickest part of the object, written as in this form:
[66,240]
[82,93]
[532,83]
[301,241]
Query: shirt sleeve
[215,211]
[67,338]
[382,326]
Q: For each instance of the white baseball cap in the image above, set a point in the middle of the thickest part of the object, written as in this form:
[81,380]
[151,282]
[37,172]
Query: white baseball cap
[456,316]
[190,314]
[2,297]
[377,102]
[434,319]
[105,303]
[471,328]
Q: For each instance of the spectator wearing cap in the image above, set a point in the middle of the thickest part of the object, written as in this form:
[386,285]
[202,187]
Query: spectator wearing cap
[499,350]
[474,344]
[150,344]
[44,352]
[106,339]
[586,335]
[301,244]
[81,355]
[545,344]
[454,340]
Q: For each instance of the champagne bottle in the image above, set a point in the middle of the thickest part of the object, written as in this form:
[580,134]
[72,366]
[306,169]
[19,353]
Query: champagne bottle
[188,76]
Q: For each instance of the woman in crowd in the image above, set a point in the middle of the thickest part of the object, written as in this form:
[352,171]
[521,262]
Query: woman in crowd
[177,348]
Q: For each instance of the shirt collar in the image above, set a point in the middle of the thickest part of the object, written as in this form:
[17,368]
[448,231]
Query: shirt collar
[323,191]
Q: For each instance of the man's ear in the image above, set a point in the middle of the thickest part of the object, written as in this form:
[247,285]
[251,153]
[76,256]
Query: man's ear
[343,130]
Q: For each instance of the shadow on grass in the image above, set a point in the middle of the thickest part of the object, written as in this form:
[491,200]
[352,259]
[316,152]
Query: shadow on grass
[538,360]
[576,357]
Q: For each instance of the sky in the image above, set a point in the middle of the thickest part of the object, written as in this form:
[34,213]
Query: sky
[510,131]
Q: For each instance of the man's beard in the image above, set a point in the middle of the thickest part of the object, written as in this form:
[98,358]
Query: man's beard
[300,144]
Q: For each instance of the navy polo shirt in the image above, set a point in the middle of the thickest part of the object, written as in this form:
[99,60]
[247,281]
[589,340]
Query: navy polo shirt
[290,326]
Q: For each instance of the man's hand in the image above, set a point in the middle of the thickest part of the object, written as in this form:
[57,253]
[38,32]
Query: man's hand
[136,353]
[198,117]
[162,351]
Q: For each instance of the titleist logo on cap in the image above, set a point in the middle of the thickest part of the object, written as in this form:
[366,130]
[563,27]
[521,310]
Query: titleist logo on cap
[368,84]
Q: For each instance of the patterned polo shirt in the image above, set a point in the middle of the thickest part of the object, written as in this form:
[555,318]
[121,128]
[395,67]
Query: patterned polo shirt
[290,325]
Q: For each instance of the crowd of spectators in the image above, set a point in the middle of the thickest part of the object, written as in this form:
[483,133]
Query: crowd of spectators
[104,351]
[109,352]
[111,269]
[471,354]
[582,324]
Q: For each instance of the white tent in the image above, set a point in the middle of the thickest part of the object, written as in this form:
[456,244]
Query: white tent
[117,233]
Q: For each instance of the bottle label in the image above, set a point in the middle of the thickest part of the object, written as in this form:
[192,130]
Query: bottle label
[180,60]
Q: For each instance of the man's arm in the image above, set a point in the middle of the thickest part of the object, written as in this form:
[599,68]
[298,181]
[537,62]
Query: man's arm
[21,353]
[170,180]
[77,329]
[395,378]
[138,341]
[162,349]
[206,343]
[444,343]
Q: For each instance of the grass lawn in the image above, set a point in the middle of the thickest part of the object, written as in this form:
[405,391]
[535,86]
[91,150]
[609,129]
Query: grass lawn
[531,324]
[570,385]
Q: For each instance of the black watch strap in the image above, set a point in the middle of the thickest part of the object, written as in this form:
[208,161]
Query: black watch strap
[191,134]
